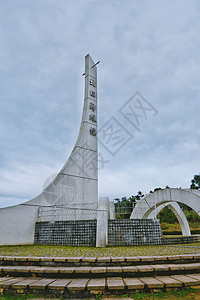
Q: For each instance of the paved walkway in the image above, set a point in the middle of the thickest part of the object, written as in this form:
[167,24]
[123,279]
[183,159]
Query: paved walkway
[83,277]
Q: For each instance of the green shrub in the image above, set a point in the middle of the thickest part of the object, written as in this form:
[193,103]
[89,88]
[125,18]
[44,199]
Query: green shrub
[179,232]
[192,216]
[167,216]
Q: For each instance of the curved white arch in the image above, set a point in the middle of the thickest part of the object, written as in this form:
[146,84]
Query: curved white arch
[176,209]
[148,203]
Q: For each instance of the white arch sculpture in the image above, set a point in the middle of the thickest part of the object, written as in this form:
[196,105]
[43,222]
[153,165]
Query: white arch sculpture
[145,207]
[176,209]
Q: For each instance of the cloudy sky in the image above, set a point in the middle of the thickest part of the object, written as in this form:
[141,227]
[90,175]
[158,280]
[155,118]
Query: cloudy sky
[150,47]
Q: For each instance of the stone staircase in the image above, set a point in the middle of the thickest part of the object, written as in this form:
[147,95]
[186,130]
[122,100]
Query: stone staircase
[82,277]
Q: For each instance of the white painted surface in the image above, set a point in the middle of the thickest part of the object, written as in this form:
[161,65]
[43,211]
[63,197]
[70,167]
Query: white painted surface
[112,210]
[102,222]
[17,225]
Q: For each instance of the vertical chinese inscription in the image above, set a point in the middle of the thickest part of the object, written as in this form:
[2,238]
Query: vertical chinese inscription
[92,106]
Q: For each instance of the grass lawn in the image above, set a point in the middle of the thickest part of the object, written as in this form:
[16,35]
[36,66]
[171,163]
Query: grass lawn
[187,293]
[38,250]
[10,297]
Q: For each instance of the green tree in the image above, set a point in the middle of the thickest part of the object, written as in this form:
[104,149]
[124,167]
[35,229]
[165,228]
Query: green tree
[195,182]
[124,206]
[167,216]
[138,196]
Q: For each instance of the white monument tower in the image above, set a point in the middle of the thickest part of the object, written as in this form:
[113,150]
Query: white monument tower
[76,185]
[73,194]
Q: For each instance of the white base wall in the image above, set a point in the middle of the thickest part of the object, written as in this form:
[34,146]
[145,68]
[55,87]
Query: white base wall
[17,225]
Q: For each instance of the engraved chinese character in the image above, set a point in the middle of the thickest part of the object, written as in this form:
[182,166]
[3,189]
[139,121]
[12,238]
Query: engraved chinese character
[92,118]
[93,131]
[93,94]
[92,106]
[92,82]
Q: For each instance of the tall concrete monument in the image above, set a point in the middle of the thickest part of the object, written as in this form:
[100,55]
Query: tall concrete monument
[77,182]
[73,194]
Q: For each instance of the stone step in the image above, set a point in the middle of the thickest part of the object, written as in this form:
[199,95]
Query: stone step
[99,272]
[85,287]
[97,261]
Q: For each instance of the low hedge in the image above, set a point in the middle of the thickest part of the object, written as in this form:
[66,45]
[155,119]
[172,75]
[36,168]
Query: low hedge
[178,232]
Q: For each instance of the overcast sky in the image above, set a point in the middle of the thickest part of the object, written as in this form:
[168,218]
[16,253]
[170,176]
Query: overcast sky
[150,47]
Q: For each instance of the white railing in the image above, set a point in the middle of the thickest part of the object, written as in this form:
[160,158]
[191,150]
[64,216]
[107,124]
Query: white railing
[73,212]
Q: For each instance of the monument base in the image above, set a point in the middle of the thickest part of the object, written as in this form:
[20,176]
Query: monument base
[134,232]
[84,233]
[66,233]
